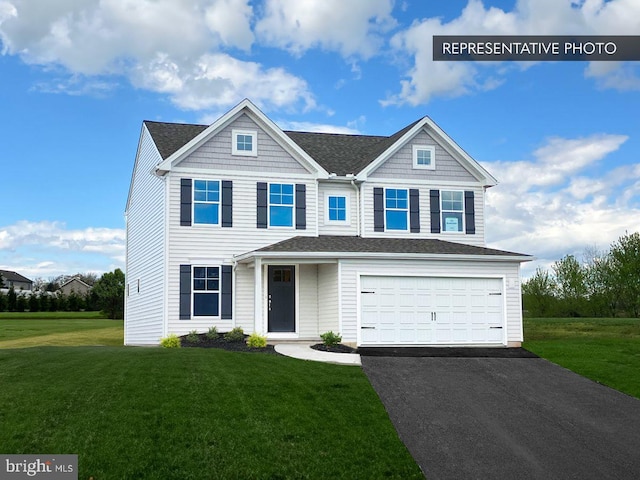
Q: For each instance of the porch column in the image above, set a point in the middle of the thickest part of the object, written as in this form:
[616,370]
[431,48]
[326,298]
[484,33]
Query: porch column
[257,292]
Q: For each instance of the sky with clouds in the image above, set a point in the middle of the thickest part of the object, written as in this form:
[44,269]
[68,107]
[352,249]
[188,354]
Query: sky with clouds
[78,77]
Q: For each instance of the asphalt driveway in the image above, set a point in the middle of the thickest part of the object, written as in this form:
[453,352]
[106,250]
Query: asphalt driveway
[507,418]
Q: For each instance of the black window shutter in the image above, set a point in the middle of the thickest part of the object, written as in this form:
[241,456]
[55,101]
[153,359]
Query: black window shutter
[227,292]
[185,202]
[414,210]
[185,292]
[434,200]
[301,206]
[262,205]
[469,213]
[378,209]
[227,203]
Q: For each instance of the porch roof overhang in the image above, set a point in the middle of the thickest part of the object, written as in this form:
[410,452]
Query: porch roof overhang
[330,248]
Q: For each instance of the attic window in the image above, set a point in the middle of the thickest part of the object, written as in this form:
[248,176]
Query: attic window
[244,142]
[424,156]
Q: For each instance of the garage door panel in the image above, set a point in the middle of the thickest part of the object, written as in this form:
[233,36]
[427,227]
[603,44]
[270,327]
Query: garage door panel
[431,310]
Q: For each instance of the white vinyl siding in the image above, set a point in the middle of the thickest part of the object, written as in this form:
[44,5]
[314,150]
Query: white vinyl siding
[144,312]
[425,215]
[351,270]
[307,321]
[197,246]
[328,298]
[333,228]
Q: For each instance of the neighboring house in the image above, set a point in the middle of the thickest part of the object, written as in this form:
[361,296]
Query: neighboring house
[15,280]
[75,285]
[293,234]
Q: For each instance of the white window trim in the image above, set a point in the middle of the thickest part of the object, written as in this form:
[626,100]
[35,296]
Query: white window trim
[430,148]
[193,205]
[384,199]
[254,143]
[347,196]
[443,211]
[194,291]
[293,213]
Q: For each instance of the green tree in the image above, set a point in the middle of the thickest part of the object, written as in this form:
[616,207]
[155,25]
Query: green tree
[12,300]
[625,260]
[3,302]
[537,293]
[570,285]
[1,281]
[34,303]
[110,293]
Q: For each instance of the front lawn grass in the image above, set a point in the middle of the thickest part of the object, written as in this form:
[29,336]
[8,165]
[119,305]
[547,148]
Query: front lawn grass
[45,330]
[157,413]
[606,350]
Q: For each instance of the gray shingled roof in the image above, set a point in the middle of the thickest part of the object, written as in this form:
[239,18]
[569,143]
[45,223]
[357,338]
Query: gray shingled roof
[11,276]
[336,153]
[346,244]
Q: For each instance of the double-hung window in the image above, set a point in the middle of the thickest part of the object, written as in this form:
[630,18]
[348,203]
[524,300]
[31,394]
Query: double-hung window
[206,202]
[281,204]
[452,211]
[396,209]
[206,291]
[337,208]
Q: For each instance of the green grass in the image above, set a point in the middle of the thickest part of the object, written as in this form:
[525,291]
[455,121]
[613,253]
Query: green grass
[158,413]
[70,330]
[606,350]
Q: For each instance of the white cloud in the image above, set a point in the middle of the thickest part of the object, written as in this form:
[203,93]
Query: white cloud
[42,249]
[175,47]
[352,28]
[427,78]
[549,206]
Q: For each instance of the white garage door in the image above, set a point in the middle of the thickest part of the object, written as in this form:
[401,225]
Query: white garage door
[431,311]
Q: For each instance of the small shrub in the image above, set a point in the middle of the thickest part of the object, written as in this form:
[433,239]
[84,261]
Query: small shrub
[235,335]
[212,333]
[193,337]
[256,340]
[330,339]
[171,341]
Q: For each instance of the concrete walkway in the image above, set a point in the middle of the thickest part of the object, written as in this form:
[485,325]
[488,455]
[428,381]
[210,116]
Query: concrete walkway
[303,351]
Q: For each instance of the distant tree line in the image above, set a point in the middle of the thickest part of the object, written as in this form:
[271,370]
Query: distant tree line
[603,284]
[107,295]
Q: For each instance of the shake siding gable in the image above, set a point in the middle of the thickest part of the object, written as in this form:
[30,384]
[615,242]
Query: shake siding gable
[144,319]
[400,165]
[216,153]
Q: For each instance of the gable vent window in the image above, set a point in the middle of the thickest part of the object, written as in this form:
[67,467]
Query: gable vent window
[245,143]
[424,156]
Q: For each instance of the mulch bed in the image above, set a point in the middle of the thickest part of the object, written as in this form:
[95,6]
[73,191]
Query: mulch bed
[340,348]
[220,342]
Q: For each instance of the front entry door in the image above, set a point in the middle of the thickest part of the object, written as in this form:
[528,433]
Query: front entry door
[281,301]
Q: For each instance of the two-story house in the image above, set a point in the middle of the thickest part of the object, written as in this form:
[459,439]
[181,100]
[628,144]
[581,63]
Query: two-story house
[292,234]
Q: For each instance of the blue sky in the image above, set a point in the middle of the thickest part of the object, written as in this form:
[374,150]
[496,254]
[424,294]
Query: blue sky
[78,77]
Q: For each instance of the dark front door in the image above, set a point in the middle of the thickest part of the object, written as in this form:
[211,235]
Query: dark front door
[281,301]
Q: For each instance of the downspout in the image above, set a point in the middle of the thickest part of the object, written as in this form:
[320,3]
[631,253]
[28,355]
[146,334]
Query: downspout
[357,189]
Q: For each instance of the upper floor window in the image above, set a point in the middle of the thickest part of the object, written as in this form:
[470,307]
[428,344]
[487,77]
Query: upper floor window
[337,208]
[244,142]
[206,202]
[396,205]
[424,156]
[281,205]
[452,210]
[206,291]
